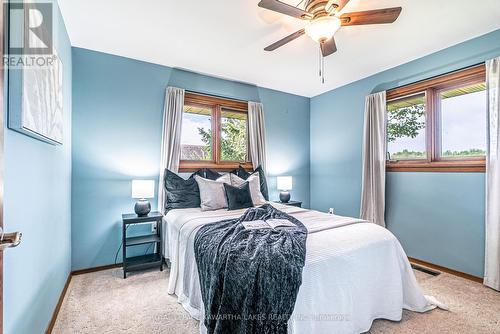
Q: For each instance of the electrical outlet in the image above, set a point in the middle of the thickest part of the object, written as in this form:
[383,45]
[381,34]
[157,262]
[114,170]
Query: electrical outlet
[331,211]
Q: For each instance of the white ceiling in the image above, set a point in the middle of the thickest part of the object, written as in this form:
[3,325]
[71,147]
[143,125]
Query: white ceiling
[225,38]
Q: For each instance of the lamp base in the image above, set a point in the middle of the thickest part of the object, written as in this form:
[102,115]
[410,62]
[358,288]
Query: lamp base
[284,196]
[142,208]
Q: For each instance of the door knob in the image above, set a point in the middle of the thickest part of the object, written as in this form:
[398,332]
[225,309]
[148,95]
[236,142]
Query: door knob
[9,240]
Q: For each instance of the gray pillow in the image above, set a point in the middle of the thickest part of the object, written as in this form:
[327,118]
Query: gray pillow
[241,172]
[254,185]
[212,193]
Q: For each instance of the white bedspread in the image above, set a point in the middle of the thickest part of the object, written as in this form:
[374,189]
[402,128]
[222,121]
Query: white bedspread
[354,272]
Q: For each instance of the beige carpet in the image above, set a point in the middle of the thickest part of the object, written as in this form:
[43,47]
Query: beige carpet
[103,302]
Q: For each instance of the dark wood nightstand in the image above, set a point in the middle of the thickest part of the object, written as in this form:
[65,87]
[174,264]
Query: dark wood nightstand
[148,260]
[291,203]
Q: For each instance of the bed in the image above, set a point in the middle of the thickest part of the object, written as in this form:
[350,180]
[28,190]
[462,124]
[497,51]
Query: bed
[354,271]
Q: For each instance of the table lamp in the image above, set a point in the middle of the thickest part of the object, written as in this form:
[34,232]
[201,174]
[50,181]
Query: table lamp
[142,190]
[285,185]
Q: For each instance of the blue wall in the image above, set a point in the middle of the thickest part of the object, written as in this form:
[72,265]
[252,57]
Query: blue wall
[118,106]
[38,203]
[438,218]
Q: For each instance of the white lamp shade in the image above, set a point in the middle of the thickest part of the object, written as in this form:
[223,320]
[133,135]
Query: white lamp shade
[143,188]
[323,28]
[284,183]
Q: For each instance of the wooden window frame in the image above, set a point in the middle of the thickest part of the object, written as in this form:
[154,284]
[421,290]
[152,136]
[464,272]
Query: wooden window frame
[217,105]
[432,89]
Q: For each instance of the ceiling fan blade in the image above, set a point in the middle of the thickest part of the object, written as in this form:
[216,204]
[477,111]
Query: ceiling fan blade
[283,8]
[377,16]
[338,5]
[328,47]
[285,40]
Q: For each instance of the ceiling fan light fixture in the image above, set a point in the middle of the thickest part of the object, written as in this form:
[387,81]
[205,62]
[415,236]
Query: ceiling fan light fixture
[323,28]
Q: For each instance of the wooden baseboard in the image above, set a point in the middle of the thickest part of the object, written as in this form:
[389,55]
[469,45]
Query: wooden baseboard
[52,322]
[446,270]
[94,269]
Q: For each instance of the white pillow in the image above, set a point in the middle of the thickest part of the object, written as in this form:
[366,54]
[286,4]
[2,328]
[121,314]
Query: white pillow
[254,183]
[212,193]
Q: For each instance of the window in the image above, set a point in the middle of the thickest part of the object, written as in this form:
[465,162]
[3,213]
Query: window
[196,132]
[438,124]
[214,133]
[463,121]
[406,128]
[233,136]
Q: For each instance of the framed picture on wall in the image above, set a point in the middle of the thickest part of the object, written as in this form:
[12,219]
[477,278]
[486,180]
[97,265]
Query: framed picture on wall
[41,112]
[35,72]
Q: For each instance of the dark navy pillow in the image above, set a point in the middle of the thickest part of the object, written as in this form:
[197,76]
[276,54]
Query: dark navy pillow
[181,194]
[212,174]
[238,197]
[263,182]
[206,173]
[200,172]
[241,172]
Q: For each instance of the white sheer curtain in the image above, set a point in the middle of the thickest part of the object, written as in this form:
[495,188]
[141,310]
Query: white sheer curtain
[256,133]
[170,138]
[374,153]
[492,252]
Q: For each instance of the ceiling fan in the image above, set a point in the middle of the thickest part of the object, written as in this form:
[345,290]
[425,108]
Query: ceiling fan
[324,20]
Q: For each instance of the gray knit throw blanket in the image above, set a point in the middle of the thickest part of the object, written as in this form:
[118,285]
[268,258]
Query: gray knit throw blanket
[250,278]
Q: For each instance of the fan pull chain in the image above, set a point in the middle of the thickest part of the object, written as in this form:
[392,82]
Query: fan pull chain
[323,69]
[321,66]
[319,63]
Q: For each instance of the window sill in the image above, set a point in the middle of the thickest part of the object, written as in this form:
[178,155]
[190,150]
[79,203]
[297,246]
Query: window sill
[193,166]
[462,166]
